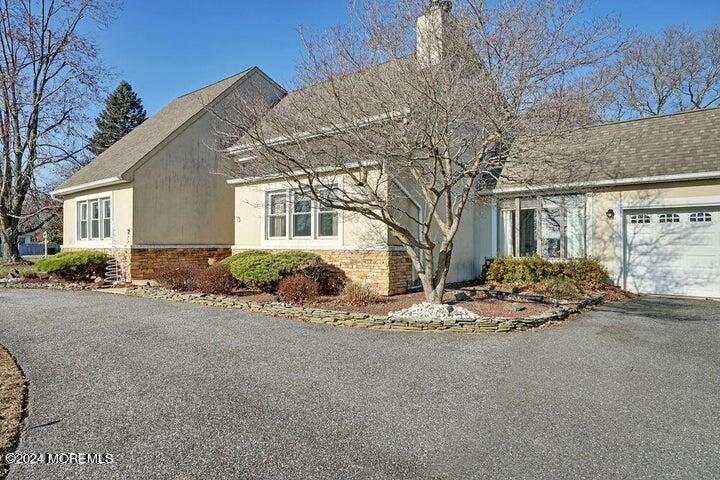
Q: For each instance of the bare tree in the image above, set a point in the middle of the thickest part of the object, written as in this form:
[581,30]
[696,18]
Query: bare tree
[48,72]
[677,69]
[403,129]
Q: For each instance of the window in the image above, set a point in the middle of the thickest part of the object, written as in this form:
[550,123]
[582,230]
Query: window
[554,227]
[307,219]
[669,218]
[700,217]
[302,216]
[277,215]
[638,219]
[82,221]
[106,218]
[327,220]
[94,219]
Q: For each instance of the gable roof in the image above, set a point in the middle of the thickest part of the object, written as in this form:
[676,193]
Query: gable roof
[662,148]
[112,165]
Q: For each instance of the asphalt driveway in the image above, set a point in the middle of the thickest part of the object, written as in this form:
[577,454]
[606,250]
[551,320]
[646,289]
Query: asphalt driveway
[631,390]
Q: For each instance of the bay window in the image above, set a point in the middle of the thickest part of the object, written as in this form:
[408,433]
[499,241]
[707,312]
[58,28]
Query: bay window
[94,219]
[553,227]
[292,215]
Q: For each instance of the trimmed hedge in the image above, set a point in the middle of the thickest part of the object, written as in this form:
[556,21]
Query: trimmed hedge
[263,270]
[76,266]
[526,271]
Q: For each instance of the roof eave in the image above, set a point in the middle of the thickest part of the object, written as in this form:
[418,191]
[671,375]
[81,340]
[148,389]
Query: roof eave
[106,182]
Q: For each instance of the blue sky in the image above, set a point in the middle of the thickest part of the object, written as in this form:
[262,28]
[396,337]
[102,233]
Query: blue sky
[165,48]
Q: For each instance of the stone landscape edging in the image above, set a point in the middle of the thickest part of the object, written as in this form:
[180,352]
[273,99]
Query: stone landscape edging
[364,320]
[49,286]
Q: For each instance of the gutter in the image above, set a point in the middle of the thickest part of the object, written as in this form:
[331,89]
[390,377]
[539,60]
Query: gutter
[608,183]
[106,182]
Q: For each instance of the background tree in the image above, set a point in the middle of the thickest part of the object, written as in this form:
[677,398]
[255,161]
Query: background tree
[123,111]
[431,116]
[674,70]
[49,71]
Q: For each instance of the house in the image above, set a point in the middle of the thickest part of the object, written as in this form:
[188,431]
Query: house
[647,206]
[156,196]
[641,196]
[648,209]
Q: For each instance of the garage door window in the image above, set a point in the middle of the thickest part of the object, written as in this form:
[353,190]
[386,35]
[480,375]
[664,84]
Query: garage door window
[669,218]
[636,219]
[700,217]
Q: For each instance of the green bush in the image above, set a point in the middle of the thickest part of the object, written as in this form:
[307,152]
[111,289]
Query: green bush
[526,271]
[264,270]
[242,255]
[74,266]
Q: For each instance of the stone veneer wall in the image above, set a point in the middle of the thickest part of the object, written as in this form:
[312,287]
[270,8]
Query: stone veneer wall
[385,271]
[140,263]
[145,260]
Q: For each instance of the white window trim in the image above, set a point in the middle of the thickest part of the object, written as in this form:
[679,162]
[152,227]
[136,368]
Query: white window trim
[313,242]
[105,238]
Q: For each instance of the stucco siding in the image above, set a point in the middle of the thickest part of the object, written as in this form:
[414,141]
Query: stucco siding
[180,197]
[122,227]
[607,234]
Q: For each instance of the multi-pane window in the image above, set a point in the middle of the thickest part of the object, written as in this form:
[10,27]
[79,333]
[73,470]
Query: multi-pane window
[639,219]
[94,219]
[669,218]
[82,216]
[700,217]
[554,227]
[294,215]
[277,215]
[302,216]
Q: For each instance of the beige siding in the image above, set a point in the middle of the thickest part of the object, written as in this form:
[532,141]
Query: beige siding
[355,231]
[122,205]
[180,197]
[607,236]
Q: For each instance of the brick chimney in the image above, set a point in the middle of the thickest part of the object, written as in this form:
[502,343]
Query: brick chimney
[430,31]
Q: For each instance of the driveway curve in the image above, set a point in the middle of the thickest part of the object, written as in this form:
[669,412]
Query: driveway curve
[631,390]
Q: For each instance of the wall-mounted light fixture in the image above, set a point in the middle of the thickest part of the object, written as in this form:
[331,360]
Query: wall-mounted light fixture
[610,214]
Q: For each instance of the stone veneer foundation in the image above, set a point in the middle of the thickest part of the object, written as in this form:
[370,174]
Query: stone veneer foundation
[387,272]
[139,263]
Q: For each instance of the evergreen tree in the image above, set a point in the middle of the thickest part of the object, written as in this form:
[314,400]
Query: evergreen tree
[123,112]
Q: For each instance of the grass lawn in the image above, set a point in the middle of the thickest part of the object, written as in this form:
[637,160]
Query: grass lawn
[5,268]
[13,389]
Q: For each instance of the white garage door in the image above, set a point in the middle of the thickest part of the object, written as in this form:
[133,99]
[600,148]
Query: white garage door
[673,251]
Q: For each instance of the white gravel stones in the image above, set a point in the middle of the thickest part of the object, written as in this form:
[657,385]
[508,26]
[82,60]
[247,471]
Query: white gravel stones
[421,311]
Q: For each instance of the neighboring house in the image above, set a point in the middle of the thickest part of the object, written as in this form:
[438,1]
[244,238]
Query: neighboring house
[28,247]
[648,208]
[156,196]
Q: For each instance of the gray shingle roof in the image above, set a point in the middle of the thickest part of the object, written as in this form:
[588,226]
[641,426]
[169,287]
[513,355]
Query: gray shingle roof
[117,160]
[674,144]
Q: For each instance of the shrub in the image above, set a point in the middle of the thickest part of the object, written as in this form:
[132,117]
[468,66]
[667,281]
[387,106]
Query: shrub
[216,279]
[263,270]
[242,255]
[558,288]
[359,294]
[297,289]
[331,279]
[75,266]
[527,271]
[178,276]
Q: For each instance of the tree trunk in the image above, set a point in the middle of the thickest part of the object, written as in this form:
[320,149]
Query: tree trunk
[10,247]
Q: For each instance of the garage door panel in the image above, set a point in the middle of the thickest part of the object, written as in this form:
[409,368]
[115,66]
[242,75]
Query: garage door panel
[673,251]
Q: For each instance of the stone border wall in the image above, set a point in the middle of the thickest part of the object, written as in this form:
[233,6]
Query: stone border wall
[363,320]
[386,271]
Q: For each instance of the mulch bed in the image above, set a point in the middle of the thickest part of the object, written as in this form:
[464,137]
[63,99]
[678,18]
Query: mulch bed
[13,391]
